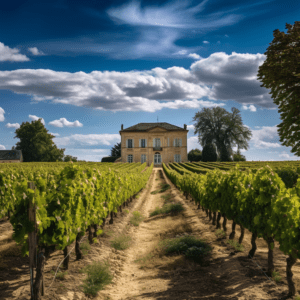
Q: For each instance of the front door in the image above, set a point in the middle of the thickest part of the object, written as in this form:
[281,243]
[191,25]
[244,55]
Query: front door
[157,159]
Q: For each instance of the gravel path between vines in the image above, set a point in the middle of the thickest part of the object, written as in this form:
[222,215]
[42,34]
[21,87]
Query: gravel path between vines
[142,272]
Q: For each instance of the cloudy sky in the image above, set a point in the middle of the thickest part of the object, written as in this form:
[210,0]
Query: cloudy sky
[86,67]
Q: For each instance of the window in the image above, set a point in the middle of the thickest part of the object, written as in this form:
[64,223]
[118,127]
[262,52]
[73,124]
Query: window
[143,143]
[130,158]
[177,158]
[129,143]
[177,142]
[156,142]
[143,158]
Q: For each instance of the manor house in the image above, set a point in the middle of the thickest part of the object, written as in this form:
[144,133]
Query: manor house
[154,142]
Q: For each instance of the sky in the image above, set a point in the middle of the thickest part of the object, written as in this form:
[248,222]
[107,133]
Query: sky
[86,67]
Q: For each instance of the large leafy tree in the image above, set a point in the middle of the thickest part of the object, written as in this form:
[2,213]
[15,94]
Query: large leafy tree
[68,158]
[195,155]
[223,129]
[116,150]
[281,72]
[36,143]
[238,156]
[209,153]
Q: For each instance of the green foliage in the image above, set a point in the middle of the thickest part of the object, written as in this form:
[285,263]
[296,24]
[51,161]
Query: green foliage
[59,275]
[121,242]
[238,156]
[98,276]
[221,234]
[173,208]
[85,247]
[195,155]
[36,143]
[209,153]
[116,150]
[68,158]
[109,159]
[136,218]
[193,248]
[163,188]
[288,176]
[280,72]
[235,245]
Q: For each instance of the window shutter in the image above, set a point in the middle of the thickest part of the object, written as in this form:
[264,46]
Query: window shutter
[174,142]
[140,143]
[126,143]
[132,143]
[180,142]
[175,158]
[153,142]
[145,142]
[168,142]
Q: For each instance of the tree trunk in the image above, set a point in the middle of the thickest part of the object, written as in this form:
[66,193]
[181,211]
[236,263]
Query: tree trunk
[252,251]
[103,222]
[38,288]
[120,208]
[214,218]
[124,204]
[218,220]
[224,222]
[242,234]
[67,258]
[77,248]
[290,261]
[206,210]
[95,230]
[232,234]
[271,267]
[90,234]
[111,221]
[115,215]
[209,215]
[8,214]
[198,206]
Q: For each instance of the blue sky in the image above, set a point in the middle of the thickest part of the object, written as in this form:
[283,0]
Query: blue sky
[86,67]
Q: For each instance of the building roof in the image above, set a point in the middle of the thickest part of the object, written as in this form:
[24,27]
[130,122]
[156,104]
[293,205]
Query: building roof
[149,126]
[10,154]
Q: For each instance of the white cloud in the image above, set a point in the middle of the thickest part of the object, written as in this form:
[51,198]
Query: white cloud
[257,127]
[226,35]
[192,143]
[284,155]
[64,122]
[35,118]
[205,42]
[191,128]
[14,125]
[182,52]
[218,77]
[2,147]
[11,54]
[2,112]
[88,139]
[55,134]
[251,107]
[88,154]
[35,51]
[194,55]
[260,136]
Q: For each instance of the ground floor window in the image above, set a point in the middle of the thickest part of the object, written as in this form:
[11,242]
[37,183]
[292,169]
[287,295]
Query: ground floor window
[157,158]
[177,158]
[130,158]
[143,158]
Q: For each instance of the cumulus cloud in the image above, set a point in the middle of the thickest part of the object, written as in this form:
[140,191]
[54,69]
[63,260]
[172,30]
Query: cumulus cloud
[14,125]
[88,139]
[2,147]
[251,107]
[218,77]
[262,138]
[64,122]
[205,42]
[35,118]
[88,154]
[2,112]
[55,134]
[191,128]
[11,54]
[192,143]
[35,51]
[194,55]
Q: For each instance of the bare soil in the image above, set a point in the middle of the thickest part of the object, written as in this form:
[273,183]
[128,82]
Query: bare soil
[142,271]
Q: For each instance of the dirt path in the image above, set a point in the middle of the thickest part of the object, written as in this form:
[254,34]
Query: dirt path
[142,271]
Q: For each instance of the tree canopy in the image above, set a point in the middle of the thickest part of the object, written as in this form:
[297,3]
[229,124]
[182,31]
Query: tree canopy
[238,156]
[195,155]
[68,158]
[223,129]
[116,150]
[281,72]
[209,153]
[36,143]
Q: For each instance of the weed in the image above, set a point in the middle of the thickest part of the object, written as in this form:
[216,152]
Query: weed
[98,275]
[59,275]
[136,218]
[164,187]
[166,198]
[236,245]
[121,242]
[126,211]
[144,259]
[174,208]
[221,234]
[193,248]
[276,277]
[85,247]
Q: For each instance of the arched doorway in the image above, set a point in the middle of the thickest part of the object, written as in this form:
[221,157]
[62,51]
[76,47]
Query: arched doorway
[157,158]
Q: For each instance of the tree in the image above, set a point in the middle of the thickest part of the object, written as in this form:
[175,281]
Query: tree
[209,153]
[223,129]
[281,72]
[116,150]
[36,143]
[13,148]
[238,156]
[195,155]
[68,158]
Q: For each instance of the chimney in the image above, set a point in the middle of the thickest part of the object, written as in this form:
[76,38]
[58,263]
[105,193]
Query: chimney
[122,127]
[184,126]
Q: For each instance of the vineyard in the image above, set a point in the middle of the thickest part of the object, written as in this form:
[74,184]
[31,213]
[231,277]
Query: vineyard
[53,205]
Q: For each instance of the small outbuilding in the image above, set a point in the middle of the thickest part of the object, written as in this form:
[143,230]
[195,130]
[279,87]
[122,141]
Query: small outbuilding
[11,156]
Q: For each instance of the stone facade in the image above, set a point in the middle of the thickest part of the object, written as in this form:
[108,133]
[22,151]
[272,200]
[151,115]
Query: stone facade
[163,142]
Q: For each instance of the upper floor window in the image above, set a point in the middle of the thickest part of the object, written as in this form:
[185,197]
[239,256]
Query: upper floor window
[129,143]
[143,143]
[177,142]
[156,142]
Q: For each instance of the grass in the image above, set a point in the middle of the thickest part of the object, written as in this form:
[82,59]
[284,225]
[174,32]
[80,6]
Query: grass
[121,242]
[235,245]
[221,234]
[166,198]
[84,247]
[192,247]
[136,218]
[98,275]
[276,277]
[163,188]
[144,260]
[60,275]
[173,208]
[126,211]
